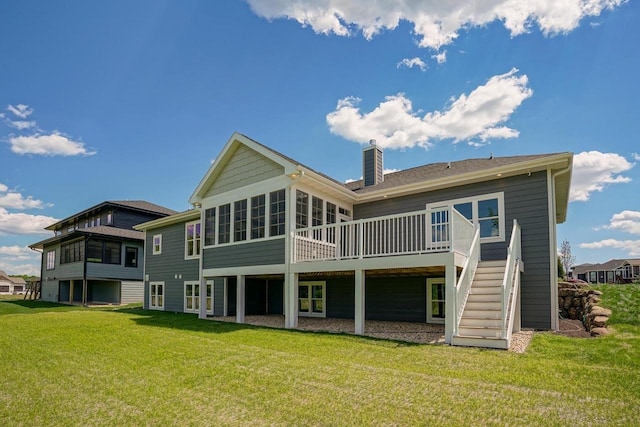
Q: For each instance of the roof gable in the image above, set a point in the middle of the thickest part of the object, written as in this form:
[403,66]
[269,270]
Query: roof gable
[242,161]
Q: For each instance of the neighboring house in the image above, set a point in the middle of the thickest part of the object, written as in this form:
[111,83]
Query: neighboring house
[441,243]
[613,271]
[95,256]
[11,285]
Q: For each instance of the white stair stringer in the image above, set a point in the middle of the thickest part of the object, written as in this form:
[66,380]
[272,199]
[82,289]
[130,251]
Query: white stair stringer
[481,321]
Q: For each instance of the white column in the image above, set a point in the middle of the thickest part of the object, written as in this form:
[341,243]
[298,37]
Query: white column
[291,300]
[240,297]
[451,310]
[359,302]
[203,297]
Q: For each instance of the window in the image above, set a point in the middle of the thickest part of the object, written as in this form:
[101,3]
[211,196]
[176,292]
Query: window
[257,217]
[156,295]
[224,224]
[311,299]
[302,209]
[317,213]
[71,252]
[157,244]
[130,257]
[51,260]
[240,220]
[331,219]
[192,296]
[109,218]
[192,239]
[487,211]
[276,213]
[436,300]
[103,252]
[210,227]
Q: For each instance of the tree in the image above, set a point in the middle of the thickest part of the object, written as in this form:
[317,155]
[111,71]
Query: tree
[560,268]
[567,258]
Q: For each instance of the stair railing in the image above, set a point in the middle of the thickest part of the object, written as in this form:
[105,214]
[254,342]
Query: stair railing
[511,281]
[466,278]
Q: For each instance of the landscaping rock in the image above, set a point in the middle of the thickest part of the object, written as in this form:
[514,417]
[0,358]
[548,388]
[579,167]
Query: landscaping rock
[599,321]
[598,332]
[596,310]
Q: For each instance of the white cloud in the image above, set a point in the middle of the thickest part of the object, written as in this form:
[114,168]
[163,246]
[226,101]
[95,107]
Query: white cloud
[441,57]
[21,223]
[14,200]
[436,22]
[413,62]
[21,110]
[394,124]
[19,260]
[636,156]
[632,247]
[54,144]
[625,221]
[21,124]
[593,171]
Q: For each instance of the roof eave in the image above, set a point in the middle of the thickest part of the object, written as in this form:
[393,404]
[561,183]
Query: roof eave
[192,214]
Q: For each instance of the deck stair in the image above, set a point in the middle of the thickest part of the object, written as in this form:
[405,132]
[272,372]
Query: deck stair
[482,318]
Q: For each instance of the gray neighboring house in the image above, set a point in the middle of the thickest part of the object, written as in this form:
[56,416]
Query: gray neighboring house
[95,256]
[617,271]
[11,285]
[470,244]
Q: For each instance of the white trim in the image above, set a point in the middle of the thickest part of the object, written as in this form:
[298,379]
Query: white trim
[156,306]
[553,252]
[197,248]
[196,300]
[153,244]
[310,312]
[435,281]
[474,205]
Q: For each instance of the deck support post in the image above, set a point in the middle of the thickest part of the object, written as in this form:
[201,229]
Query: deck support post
[291,300]
[71,291]
[451,306]
[240,298]
[359,302]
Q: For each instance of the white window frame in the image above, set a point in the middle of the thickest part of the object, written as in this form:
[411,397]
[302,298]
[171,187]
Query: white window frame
[430,301]
[474,206]
[156,250]
[310,299]
[156,306]
[197,241]
[51,260]
[195,306]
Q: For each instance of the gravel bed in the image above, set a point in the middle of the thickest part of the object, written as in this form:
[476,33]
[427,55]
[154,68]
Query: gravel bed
[421,333]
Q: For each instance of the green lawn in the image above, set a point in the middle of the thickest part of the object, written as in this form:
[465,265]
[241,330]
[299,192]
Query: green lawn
[76,366]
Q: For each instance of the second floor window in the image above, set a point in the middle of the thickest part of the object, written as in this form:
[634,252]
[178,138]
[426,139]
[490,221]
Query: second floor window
[192,239]
[210,227]
[71,252]
[276,213]
[104,252]
[157,244]
[240,220]
[224,224]
[51,260]
[302,209]
[257,217]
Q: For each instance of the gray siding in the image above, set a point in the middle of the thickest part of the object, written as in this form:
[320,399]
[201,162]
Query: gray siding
[401,299]
[525,199]
[218,296]
[49,291]
[340,298]
[267,252]
[170,266]
[131,292]
[245,167]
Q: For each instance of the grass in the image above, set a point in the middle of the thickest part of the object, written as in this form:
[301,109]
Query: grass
[77,366]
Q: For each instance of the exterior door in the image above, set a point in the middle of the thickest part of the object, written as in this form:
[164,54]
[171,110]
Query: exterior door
[436,300]
[311,299]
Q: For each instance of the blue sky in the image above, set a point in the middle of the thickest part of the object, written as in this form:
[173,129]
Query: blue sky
[133,100]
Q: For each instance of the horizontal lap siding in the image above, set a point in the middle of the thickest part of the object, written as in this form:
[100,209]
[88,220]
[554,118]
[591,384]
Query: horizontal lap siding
[267,252]
[525,199]
[131,292]
[340,298]
[402,299]
[165,266]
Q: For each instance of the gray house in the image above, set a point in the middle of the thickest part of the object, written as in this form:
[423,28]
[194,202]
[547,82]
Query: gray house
[617,271]
[95,256]
[470,244]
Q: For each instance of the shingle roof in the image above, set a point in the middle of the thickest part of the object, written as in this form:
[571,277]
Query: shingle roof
[440,170]
[606,266]
[102,230]
[143,205]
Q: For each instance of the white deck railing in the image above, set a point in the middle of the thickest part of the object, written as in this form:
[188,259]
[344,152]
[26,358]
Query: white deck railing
[428,231]
[466,278]
[511,281]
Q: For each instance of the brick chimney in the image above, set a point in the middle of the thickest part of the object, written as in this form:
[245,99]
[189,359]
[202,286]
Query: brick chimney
[372,164]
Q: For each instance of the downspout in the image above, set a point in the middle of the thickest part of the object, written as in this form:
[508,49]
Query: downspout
[553,245]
